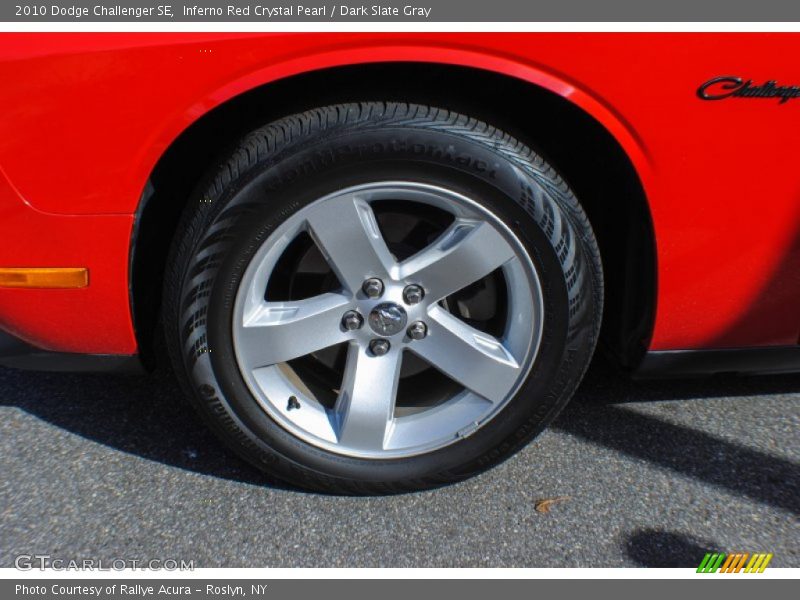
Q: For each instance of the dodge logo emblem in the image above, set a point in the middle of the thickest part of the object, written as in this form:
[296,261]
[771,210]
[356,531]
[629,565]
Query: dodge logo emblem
[387,319]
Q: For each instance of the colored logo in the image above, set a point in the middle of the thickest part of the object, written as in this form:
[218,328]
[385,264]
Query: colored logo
[734,563]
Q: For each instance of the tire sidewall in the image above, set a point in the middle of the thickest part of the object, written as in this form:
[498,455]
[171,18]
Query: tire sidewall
[258,200]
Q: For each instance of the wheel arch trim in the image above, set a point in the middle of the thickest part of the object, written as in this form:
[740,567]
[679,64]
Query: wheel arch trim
[511,66]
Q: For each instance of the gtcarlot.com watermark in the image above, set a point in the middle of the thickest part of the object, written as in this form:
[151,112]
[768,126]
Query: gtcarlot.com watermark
[44,562]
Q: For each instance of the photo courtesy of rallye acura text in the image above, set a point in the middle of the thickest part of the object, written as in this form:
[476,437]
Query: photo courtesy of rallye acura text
[383,262]
[138,590]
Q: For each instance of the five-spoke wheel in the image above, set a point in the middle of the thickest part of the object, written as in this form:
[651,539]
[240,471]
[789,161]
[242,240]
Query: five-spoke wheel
[382,308]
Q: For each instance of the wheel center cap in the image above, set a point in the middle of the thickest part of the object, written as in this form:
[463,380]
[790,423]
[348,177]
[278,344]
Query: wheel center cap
[387,318]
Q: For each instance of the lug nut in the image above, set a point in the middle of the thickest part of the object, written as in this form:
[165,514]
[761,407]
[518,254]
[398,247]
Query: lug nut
[413,294]
[417,330]
[352,320]
[379,347]
[373,287]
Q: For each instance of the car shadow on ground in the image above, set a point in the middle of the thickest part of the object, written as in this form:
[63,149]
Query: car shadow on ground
[599,415]
[147,416]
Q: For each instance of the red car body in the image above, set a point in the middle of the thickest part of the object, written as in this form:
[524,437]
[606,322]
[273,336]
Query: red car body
[86,118]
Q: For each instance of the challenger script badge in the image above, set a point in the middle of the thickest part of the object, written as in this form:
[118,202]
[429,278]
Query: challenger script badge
[728,86]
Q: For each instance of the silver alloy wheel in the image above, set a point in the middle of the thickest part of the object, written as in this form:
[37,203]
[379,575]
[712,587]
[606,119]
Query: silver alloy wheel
[363,421]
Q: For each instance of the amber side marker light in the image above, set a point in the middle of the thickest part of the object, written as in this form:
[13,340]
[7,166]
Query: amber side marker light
[44,277]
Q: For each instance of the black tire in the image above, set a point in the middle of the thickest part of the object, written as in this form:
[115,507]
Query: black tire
[284,165]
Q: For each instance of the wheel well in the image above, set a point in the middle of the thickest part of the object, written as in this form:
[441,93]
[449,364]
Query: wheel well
[584,152]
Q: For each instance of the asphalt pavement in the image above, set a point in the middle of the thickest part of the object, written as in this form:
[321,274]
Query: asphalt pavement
[649,473]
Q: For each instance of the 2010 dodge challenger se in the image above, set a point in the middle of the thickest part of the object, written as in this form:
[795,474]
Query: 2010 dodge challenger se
[383,262]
